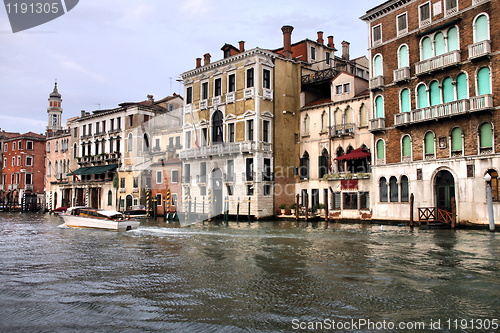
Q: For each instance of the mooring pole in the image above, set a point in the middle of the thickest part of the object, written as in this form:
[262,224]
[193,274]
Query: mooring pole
[249,200]
[489,198]
[164,211]
[168,204]
[226,215]
[453,213]
[326,210]
[209,205]
[203,211]
[238,211]
[411,210]
[297,208]
[194,209]
[154,207]
[307,205]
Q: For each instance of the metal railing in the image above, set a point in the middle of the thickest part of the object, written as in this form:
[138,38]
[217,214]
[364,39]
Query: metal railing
[436,63]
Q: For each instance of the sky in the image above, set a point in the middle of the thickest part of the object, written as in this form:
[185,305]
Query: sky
[103,53]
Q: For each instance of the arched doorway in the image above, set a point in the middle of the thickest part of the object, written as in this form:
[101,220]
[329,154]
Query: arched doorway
[444,185]
[128,202]
[217,132]
[217,191]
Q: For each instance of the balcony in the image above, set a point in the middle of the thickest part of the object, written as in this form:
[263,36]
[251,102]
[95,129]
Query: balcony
[267,176]
[477,2]
[248,176]
[437,63]
[230,97]
[188,108]
[267,94]
[2,187]
[401,74]
[203,104]
[220,149]
[13,187]
[217,100]
[480,50]
[433,113]
[377,124]
[347,176]
[249,93]
[342,130]
[377,82]
[28,187]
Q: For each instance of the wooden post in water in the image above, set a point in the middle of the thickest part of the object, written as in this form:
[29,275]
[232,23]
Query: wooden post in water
[297,208]
[307,205]
[249,201]
[453,213]
[411,210]
[326,211]
[238,211]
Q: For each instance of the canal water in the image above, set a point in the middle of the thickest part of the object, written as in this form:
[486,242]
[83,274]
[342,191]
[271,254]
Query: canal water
[259,277]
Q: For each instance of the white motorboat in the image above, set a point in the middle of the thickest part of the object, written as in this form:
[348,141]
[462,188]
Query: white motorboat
[84,217]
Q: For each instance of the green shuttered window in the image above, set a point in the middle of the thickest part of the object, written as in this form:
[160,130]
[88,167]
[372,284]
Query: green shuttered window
[426,48]
[439,44]
[403,56]
[429,143]
[423,101]
[462,87]
[486,137]
[452,39]
[482,29]
[456,139]
[448,93]
[483,81]
[380,149]
[377,65]
[435,93]
[379,107]
[406,145]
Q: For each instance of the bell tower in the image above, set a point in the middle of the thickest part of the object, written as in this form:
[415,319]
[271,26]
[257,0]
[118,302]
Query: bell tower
[54,111]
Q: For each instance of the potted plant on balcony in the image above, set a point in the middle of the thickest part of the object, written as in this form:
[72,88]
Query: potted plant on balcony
[293,207]
[319,208]
[282,208]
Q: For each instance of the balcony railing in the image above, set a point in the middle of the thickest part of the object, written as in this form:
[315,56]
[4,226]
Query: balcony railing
[401,74]
[267,94]
[249,93]
[248,176]
[343,129]
[477,2]
[474,104]
[230,97]
[188,108]
[480,49]
[204,104]
[222,149]
[13,187]
[28,187]
[377,82]
[377,124]
[437,63]
[217,100]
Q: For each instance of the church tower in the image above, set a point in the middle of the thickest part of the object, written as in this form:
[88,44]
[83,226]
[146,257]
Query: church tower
[54,111]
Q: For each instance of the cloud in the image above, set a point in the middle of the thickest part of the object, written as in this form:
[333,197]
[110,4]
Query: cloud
[195,7]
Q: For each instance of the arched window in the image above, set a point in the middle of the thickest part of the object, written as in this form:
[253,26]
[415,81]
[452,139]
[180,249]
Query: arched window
[304,166]
[48,147]
[406,147]
[363,116]
[323,163]
[456,140]
[340,164]
[403,58]
[377,66]
[439,44]
[462,87]
[349,120]
[306,125]
[338,121]
[380,150]
[217,122]
[324,122]
[448,90]
[483,81]
[435,93]
[110,198]
[453,39]
[426,49]
[393,189]
[379,107]
[485,137]
[405,100]
[405,191]
[130,142]
[429,144]
[481,28]
[56,168]
[75,151]
[423,99]
[383,190]
[49,169]
[145,142]
[494,185]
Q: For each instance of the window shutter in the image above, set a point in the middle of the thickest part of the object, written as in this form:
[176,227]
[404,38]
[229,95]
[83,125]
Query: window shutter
[379,106]
[406,146]
[439,43]
[403,56]
[482,29]
[483,81]
[462,87]
[422,97]
[429,143]
[486,139]
[456,139]
[426,48]
[448,94]
[405,100]
[380,149]
[435,93]
[405,193]
[377,64]
[452,39]
[383,190]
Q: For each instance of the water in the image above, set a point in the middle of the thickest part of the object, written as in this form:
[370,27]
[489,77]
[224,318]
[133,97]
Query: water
[263,277]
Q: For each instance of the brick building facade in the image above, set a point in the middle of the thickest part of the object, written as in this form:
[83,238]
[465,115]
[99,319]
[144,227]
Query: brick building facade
[435,120]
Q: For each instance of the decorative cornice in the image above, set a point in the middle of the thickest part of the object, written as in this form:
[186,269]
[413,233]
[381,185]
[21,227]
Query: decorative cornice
[383,9]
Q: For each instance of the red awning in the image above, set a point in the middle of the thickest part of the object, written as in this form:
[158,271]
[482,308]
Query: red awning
[354,155]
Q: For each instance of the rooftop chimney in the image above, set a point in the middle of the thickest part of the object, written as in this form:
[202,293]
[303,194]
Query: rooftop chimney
[345,50]
[330,42]
[242,46]
[82,113]
[287,41]
[198,62]
[320,37]
[206,57]
[151,99]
